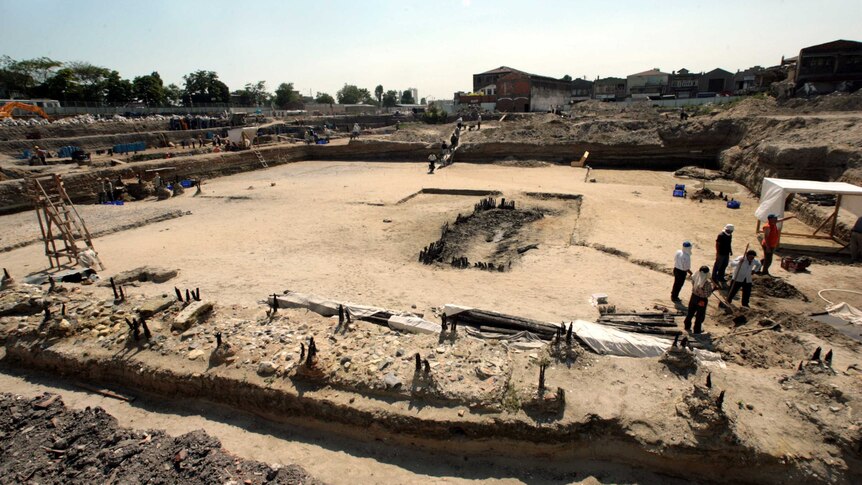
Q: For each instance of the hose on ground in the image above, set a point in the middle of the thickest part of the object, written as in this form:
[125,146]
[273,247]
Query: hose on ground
[820,293]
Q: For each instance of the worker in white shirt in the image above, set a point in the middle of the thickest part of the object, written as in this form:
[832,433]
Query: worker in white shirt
[745,266]
[681,269]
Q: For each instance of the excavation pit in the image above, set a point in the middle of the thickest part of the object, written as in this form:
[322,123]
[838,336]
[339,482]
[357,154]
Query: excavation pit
[495,235]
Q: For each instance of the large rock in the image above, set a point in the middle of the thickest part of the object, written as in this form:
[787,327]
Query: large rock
[266,368]
[156,304]
[392,381]
[195,313]
[142,274]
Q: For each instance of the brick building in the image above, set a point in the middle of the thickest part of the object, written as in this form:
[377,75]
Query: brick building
[683,84]
[582,90]
[516,90]
[830,66]
[609,89]
[647,83]
[717,81]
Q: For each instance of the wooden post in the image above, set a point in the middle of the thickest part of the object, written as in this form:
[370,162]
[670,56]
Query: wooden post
[835,216]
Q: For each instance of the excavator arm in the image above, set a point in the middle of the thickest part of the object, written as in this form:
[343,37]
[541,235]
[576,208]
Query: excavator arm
[6,109]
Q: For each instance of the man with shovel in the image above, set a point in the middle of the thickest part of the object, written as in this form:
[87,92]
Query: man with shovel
[701,288]
[745,266]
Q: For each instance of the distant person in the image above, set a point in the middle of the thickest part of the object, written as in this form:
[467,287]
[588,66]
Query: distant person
[454,140]
[745,265]
[459,122]
[681,269]
[723,251]
[701,288]
[355,132]
[432,160]
[443,149]
[856,241]
[479,121]
[683,115]
[40,154]
[103,197]
[771,239]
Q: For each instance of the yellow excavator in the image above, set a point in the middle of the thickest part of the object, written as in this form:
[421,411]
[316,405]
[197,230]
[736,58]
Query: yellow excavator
[6,109]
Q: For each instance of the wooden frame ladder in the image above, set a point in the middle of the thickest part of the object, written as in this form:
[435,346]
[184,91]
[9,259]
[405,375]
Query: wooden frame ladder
[59,220]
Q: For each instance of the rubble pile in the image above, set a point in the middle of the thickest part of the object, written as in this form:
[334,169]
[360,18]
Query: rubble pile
[45,442]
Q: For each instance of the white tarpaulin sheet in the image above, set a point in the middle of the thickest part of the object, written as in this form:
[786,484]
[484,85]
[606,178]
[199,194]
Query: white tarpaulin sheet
[846,312]
[774,193]
[412,324]
[611,341]
[398,320]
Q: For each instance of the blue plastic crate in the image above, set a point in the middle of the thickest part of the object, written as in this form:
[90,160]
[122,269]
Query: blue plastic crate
[186,183]
[679,193]
[733,204]
[679,187]
[118,202]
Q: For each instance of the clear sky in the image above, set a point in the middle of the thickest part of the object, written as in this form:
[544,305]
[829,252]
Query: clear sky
[434,46]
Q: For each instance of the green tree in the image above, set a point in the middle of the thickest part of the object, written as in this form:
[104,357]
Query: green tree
[253,94]
[390,99]
[92,80]
[173,94]
[422,101]
[378,93]
[567,78]
[350,94]
[117,89]
[23,77]
[407,97]
[324,98]
[62,85]
[286,97]
[204,87]
[150,89]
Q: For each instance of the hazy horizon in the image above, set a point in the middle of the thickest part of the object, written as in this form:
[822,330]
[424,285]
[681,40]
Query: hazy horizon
[435,47]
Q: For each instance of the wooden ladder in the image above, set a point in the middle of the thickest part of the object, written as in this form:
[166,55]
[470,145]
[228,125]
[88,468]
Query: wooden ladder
[59,220]
[259,156]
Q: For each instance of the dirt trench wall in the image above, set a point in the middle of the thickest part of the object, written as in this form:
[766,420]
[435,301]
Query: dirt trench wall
[83,187]
[64,130]
[100,142]
[592,438]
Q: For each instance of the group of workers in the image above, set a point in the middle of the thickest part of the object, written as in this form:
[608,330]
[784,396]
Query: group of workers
[703,283]
[111,191]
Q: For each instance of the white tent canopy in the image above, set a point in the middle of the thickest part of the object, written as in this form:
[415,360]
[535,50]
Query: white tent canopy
[774,193]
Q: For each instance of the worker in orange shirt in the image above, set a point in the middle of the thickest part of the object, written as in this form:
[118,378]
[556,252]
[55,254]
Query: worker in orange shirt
[770,241]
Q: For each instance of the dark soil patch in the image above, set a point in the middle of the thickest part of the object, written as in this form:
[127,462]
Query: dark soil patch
[41,441]
[490,238]
[765,349]
[705,194]
[776,288]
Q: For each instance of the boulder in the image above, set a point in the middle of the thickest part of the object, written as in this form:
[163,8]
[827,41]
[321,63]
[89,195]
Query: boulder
[266,368]
[195,313]
[194,354]
[391,381]
[155,304]
[142,274]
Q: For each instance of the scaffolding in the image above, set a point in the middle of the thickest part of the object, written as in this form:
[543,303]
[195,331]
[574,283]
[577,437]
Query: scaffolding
[63,229]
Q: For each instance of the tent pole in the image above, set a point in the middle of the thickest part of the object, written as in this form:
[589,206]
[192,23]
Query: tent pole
[835,216]
[823,224]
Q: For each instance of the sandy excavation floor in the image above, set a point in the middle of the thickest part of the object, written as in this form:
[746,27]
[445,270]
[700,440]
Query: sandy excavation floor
[335,229]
